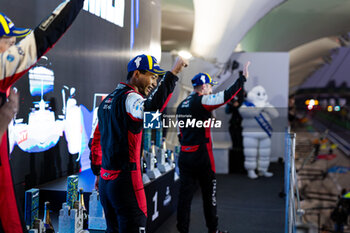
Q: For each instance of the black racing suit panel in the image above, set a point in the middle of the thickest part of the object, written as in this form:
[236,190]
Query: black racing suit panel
[14,63]
[199,107]
[120,119]
[121,112]
[196,160]
[19,58]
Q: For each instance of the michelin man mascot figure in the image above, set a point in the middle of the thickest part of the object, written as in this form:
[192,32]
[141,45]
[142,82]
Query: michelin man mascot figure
[257,113]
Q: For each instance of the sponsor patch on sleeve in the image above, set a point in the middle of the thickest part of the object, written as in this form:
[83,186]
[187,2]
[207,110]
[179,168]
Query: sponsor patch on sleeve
[10,58]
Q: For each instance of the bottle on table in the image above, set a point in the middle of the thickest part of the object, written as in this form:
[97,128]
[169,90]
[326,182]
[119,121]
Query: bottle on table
[47,220]
[85,213]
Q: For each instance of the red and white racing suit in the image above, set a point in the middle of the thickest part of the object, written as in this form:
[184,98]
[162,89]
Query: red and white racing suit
[14,63]
[196,160]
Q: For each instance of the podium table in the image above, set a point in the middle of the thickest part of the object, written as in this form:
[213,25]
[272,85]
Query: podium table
[162,197]
[161,194]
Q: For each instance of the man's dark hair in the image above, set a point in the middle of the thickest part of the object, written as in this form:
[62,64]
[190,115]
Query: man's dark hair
[132,72]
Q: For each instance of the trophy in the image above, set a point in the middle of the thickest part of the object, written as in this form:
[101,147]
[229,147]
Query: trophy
[176,160]
[72,190]
[149,153]
[160,152]
[97,220]
[170,158]
[31,206]
[145,178]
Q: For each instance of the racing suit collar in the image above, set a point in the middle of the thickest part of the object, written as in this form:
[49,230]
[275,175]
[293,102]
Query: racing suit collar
[131,88]
[196,92]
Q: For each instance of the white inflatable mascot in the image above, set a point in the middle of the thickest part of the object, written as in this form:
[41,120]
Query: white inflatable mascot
[257,114]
